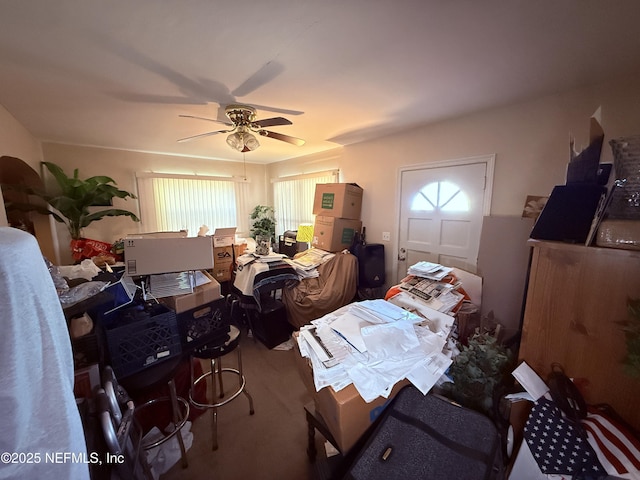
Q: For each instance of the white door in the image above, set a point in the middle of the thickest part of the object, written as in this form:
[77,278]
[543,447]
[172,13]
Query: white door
[441,211]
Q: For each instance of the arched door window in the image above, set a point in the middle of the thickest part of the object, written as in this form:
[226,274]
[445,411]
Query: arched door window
[443,196]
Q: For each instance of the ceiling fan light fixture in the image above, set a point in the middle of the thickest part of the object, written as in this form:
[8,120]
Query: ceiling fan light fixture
[242,141]
[251,142]
[235,141]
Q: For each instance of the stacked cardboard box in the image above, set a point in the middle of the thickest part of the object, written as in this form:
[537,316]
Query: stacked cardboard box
[225,251]
[337,207]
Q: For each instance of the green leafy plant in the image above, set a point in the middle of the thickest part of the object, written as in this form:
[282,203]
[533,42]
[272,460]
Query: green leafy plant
[631,330]
[70,205]
[477,371]
[263,222]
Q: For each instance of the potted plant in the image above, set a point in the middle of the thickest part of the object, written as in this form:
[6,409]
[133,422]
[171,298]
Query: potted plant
[477,371]
[70,205]
[263,228]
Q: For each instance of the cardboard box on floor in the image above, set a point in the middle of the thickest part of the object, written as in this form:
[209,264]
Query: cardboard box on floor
[334,234]
[342,200]
[201,295]
[345,413]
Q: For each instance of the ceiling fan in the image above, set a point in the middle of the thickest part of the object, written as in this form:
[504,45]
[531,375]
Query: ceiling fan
[243,124]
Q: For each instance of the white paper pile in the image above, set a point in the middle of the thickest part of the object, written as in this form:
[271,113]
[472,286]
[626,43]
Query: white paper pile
[424,283]
[378,344]
[433,271]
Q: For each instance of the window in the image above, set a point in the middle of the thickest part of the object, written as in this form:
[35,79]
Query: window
[293,198]
[444,196]
[177,202]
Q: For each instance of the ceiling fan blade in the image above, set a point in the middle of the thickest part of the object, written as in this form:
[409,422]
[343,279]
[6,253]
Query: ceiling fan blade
[283,111]
[207,119]
[208,134]
[279,136]
[272,122]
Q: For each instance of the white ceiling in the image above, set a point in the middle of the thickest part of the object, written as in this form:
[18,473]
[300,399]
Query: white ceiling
[117,73]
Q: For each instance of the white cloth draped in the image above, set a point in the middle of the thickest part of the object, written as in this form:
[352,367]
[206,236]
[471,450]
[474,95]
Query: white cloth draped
[38,411]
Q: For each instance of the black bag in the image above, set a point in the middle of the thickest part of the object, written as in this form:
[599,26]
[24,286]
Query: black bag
[428,437]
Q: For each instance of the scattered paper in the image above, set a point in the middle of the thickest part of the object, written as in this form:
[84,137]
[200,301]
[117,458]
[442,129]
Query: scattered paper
[530,381]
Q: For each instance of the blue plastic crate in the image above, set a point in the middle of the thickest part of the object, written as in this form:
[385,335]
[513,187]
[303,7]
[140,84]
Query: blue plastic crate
[139,339]
[204,324]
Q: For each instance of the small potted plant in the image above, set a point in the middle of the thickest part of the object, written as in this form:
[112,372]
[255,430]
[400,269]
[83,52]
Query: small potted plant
[263,228]
[477,371]
[70,205]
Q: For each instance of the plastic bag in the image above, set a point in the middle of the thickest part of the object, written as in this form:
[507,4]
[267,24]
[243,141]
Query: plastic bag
[86,269]
[58,280]
[81,292]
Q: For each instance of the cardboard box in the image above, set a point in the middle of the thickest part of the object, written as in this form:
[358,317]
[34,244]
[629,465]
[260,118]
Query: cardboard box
[201,295]
[149,255]
[223,263]
[334,234]
[346,414]
[224,237]
[341,200]
[223,240]
[224,258]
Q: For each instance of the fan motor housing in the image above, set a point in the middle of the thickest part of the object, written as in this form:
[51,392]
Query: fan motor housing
[240,114]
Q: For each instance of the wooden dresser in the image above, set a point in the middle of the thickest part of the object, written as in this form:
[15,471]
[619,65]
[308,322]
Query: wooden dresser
[575,298]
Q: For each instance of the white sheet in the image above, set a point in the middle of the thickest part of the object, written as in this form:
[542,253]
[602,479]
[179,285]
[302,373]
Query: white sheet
[39,412]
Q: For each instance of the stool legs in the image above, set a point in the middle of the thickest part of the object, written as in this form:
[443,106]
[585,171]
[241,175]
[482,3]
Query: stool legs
[176,421]
[216,371]
[179,419]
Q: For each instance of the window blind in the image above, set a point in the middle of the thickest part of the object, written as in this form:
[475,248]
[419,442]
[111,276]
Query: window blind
[293,198]
[174,202]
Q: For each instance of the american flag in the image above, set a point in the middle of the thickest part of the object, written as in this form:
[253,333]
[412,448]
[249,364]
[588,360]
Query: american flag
[557,445]
[616,448]
[602,446]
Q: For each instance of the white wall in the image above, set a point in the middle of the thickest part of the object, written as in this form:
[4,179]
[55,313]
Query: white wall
[530,140]
[16,141]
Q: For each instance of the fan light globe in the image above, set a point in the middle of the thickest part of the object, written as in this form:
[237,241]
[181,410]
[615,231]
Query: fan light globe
[250,142]
[242,141]
[235,141]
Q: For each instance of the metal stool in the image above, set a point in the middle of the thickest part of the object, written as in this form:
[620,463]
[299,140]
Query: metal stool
[214,353]
[156,375]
